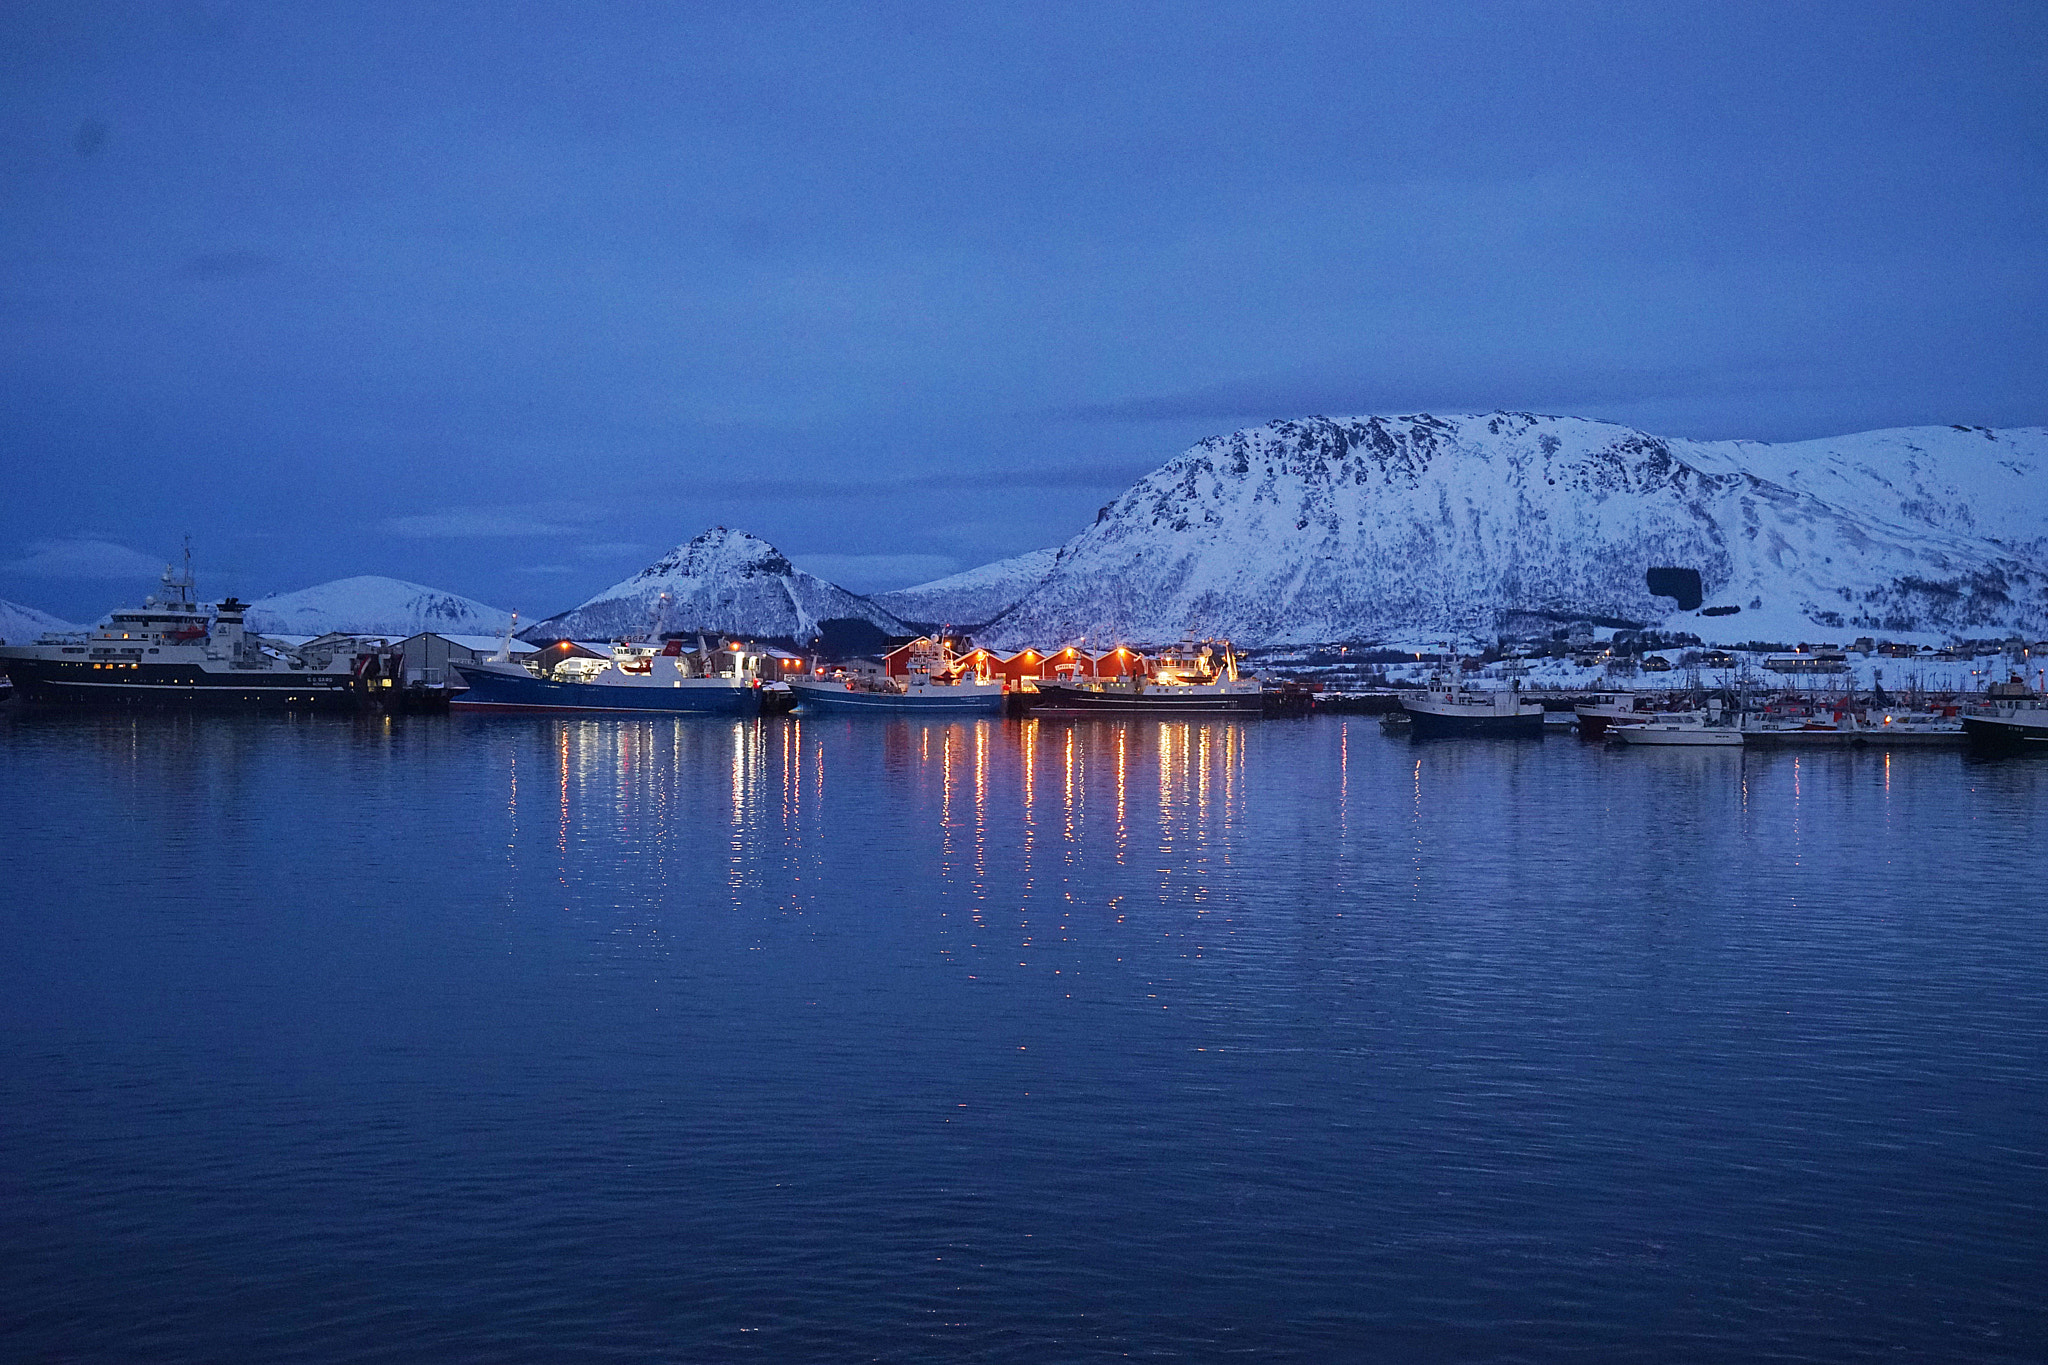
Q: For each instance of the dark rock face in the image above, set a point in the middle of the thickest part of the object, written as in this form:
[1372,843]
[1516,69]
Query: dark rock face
[1681,585]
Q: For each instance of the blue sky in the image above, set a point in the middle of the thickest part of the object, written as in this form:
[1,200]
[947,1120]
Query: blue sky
[509,298]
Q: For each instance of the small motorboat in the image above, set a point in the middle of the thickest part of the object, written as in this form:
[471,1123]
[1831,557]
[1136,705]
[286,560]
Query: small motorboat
[1685,732]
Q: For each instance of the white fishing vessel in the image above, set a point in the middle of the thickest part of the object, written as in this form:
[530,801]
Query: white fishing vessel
[1448,709]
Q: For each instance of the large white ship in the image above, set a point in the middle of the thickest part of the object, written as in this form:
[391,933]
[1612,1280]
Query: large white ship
[176,651]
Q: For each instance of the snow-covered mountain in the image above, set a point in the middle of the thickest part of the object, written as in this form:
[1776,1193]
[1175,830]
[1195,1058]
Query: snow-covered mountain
[21,625]
[969,599]
[1323,530]
[723,582]
[1974,481]
[371,605]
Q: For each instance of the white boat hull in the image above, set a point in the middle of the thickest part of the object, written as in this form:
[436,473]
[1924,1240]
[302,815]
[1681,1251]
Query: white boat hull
[1680,736]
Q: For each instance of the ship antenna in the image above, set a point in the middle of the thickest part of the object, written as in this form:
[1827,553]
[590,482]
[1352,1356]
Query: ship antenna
[504,654]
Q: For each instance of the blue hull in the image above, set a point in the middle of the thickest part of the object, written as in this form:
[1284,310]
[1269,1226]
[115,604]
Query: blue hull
[491,691]
[814,701]
[1058,699]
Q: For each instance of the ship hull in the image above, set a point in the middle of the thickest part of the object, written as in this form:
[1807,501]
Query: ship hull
[1448,723]
[825,698]
[1429,725]
[492,691]
[185,686]
[1060,699]
[1679,736]
[2001,735]
[1593,724]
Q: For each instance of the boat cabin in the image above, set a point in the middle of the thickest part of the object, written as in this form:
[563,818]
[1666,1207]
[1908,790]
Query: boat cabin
[926,657]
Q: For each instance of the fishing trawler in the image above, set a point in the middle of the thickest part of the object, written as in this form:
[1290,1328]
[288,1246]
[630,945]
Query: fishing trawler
[1192,678]
[2012,718]
[635,678]
[1448,709]
[934,680]
[174,650]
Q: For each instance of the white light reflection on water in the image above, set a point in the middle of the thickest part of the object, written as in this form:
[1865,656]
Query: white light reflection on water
[973,792]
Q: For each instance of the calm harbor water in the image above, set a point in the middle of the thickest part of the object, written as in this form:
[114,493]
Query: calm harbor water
[487,1039]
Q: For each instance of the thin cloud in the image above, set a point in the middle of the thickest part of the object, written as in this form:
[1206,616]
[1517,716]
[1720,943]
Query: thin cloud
[827,490]
[1483,389]
[83,558]
[482,524]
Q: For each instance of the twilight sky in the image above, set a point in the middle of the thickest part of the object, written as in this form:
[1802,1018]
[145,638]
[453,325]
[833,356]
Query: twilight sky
[509,298]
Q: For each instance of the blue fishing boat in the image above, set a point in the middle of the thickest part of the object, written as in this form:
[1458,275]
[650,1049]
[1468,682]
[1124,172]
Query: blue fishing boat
[634,680]
[933,682]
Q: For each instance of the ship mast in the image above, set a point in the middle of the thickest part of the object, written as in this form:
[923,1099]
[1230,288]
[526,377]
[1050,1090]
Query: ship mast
[504,654]
[179,585]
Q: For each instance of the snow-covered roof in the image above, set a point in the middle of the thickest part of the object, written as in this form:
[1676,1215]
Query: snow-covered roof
[484,644]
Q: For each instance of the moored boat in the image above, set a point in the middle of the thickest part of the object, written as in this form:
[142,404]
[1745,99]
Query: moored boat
[1621,708]
[818,695]
[1844,724]
[2011,719]
[1191,679]
[175,651]
[934,681]
[1676,732]
[1448,709]
[636,679]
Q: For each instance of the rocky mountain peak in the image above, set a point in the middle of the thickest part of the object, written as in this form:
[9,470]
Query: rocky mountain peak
[1323,529]
[723,581]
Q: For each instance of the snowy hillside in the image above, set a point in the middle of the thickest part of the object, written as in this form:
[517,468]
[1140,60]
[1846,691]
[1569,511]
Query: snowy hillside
[371,605]
[1970,480]
[971,598]
[1353,529]
[724,582]
[21,625]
